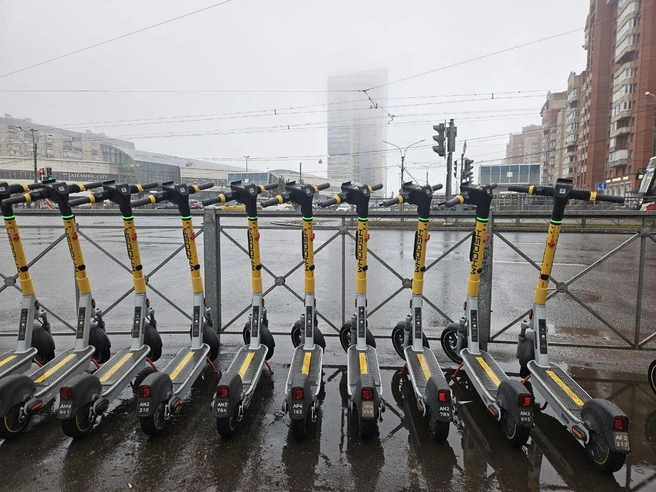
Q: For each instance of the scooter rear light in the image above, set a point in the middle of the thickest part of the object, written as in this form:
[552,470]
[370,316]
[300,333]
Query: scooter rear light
[66,393]
[367,393]
[444,395]
[222,391]
[621,423]
[525,400]
[297,393]
[144,391]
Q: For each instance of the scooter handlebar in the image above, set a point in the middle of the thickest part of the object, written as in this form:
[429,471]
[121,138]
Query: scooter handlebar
[327,203]
[87,199]
[323,186]
[270,186]
[390,202]
[202,186]
[149,186]
[519,188]
[14,200]
[610,198]
[270,202]
[584,195]
[227,197]
[377,187]
[147,200]
[456,200]
[436,187]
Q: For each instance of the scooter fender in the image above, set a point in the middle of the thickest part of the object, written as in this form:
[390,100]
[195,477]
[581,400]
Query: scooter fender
[86,388]
[267,339]
[508,400]
[368,409]
[598,416]
[161,389]
[298,409]
[223,407]
[15,389]
[442,409]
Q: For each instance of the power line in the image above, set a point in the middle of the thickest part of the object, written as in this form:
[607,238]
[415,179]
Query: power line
[204,9]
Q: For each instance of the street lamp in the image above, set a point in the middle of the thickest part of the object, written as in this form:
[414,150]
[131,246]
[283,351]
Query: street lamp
[403,156]
[32,131]
[246,157]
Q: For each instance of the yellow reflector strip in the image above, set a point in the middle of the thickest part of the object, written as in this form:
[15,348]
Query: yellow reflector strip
[244,366]
[565,388]
[181,365]
[7,360]
[54,369]
[424,366]
[363,363]
[306,363]
[115,367]
[488,371]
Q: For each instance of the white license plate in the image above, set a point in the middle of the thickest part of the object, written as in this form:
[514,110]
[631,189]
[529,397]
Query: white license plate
[622,441]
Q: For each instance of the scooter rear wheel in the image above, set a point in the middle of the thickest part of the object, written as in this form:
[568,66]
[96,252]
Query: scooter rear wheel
[602,456]
[368,429]
[299,428]
[514,434]
[80,424]
[227,426]
[11,423]
[651,375]
[153,424]
[449,341]
[439,431]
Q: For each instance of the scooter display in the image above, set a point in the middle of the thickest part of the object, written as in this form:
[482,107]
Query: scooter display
[305,372]
[34,340]
[428,382]
[237,385]
[161,393]
[509,402]
[597,423]
[364,384]
[88,396]
[21,396]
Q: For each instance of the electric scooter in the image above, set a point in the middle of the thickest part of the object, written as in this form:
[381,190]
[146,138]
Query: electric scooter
[304,378]
[599,424]
[429,384]
[364,386]
[161,393]
[88,396]
[509,402]
[21,396]
[34,341]
[237,385]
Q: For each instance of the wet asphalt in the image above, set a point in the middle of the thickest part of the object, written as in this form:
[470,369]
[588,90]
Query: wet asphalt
[263,455]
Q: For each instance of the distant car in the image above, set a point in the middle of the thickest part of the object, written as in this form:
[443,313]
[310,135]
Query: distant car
[344,207]
[284,207]
[166,205]
[195,205]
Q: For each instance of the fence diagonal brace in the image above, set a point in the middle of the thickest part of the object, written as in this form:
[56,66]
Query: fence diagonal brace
[523,255]
[392,296]
[599,317]
[448,251]
[442,313]
[245,251]
[111,256]
[166,299]
[519,318]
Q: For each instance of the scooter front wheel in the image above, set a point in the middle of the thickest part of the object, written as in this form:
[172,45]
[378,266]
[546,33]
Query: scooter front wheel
[514,434]
[227,426]
[12,425]
[80,424]
[299,428]
[651,375]
[153,424]
[367,429]
[602,456]
[439,431]
[449,341]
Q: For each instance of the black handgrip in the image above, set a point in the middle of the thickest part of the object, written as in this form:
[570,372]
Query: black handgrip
[90,186]
[456,200]
[436,187]
[13,200]
[377,187]
[269,202]
[327,203]
[202,186]
[491,186]
[610,198]
[271,186]
[390,202]
[79,201]
[149,186]
[519,188]
[143,201]
[323,186]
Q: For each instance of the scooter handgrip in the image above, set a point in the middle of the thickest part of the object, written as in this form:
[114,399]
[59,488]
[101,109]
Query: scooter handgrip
[79,201]
[149,186]
[144,201]
[271,186]
[323,186]
[390,202]
[491,186]
[610,198]
[438,186]
[19,188]
[211,201]
[327,203]
[270,202]
[13,200]
[204,186]
[456,200]
[377,187]
[519,188]
[91,186]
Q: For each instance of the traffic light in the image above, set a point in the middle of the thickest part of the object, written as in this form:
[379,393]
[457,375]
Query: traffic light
[48,173]
[451,134]
[468,171]
[41,172]
[439,138]
[455,169]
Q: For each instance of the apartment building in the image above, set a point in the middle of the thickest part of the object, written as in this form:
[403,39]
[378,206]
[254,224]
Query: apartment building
[553,130]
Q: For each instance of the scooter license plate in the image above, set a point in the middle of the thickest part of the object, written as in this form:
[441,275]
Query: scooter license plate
[368,409]
[525,417]
[622,441]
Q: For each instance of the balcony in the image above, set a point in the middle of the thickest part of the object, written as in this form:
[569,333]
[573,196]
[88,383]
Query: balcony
[573,96]
[626,48]
[617,130]
[618,158]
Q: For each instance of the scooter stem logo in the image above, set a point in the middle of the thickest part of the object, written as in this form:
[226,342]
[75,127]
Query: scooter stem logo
[476,251]
[418,251]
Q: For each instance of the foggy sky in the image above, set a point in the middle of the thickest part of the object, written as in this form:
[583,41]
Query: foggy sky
[292,46]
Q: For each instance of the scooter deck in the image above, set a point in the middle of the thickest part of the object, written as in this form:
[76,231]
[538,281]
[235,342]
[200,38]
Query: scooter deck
[362,362]
[563,388]
[70,362]
[308,362]
[485,369]
[248,364]
[422,366]
[16,362]
[185,364]
[116,368]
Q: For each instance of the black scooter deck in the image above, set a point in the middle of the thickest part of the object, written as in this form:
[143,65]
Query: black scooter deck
[563,387]
[248,364]
[306,362]
[485,368]
[59,366]
[184,364]
[423,366]
[12,362]
[362,362]
[123,362]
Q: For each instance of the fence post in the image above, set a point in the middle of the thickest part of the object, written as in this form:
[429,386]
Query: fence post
[485,293]
[212,264]
[644,234]
[343,270]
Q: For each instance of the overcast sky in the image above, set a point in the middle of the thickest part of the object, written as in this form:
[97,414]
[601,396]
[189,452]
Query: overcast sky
[257,47]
